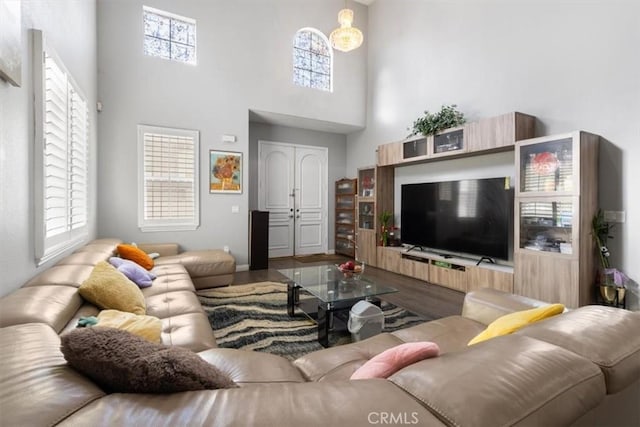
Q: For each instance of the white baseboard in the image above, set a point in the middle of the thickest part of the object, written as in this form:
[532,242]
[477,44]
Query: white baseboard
[242,267]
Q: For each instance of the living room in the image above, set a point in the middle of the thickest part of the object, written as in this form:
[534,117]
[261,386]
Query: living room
[489,58]
[567,63]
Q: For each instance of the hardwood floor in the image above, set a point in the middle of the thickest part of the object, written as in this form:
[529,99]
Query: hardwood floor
[420,297]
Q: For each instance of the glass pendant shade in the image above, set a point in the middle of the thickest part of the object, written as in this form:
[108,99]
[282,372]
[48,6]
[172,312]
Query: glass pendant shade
[346,37]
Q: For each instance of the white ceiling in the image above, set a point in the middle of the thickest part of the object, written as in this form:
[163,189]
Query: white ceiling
[367,2]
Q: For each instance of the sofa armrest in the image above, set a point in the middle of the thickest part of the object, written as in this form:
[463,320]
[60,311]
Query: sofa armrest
[486,305]
[164,249]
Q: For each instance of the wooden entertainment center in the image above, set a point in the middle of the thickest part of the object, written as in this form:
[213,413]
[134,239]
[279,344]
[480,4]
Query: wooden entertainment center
[560,269]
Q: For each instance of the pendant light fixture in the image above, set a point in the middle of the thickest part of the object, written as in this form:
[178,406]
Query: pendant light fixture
[346,38]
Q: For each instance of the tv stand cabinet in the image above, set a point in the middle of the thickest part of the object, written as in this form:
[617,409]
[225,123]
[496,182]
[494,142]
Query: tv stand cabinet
[453,272]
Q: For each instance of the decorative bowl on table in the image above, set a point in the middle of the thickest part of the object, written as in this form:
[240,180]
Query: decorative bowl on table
[351,269]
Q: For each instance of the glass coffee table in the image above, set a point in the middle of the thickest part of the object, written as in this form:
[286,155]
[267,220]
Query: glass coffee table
[331,291]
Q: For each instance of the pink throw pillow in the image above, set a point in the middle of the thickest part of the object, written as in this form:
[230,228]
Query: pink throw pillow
[396,358]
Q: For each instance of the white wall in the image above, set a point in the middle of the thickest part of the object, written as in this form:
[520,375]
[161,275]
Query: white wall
[337,150]
[572,64]
[244,62]
[70,29]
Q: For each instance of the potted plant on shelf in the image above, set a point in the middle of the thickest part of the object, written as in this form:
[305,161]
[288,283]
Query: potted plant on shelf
[611,281]
[430,123]
[384,218]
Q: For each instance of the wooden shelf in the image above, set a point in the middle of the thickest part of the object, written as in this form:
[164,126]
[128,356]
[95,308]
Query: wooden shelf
[457,273]
[485,136]
[481,137]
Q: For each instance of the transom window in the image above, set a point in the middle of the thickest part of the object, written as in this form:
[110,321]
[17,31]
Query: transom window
[312,60]
[169,36]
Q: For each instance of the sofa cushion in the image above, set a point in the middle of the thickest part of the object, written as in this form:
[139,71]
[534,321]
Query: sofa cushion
[133,271]
[61,275]
[136,255]
[607,336]
[83,258]
[147,327]
[509,323]
[207,268]
[107,288]
[396,358]
[252,367]
[339,363]
[53,305]
[192,331]
[509,381]
[335,403]
[38,388]
[450,333]
[122,362]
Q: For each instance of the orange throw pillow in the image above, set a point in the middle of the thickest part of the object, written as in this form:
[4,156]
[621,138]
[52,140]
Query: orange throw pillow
[133,253]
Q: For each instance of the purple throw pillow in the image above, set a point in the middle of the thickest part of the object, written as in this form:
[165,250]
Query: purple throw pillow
[133,271]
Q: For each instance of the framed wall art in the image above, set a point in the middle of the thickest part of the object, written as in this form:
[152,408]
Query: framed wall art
[225,172]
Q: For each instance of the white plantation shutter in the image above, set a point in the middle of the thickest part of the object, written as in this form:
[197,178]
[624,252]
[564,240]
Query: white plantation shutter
[78,142]
[56,126]
[62,137]
[169,191]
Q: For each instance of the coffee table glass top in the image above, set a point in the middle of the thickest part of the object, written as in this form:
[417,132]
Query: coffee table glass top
[329,284]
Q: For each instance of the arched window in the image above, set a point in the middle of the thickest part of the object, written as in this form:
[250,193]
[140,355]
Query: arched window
[312,59]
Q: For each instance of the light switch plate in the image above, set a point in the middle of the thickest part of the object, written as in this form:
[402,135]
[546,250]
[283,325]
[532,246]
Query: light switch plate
[235,209]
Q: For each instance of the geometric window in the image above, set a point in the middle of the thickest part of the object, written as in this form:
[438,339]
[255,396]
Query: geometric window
[168,182]
[62,145]
[169,36]
[312,60]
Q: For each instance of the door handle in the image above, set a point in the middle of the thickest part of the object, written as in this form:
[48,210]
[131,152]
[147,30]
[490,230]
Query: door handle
[297,216]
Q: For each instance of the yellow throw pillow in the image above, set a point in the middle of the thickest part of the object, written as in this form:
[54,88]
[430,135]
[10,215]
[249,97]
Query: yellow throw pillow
[107,288]
[509,323]
[135,254]
[147,327]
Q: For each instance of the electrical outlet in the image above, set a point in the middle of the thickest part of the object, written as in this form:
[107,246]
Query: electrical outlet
[226,249]
[615,216]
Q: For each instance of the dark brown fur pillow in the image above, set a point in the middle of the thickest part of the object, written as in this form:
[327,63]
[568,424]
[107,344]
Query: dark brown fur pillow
[122,362]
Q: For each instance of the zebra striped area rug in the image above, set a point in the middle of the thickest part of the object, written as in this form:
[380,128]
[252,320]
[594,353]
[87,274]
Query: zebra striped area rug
[254,317]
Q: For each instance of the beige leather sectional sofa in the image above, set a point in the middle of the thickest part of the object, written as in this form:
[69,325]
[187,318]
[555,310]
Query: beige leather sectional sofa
[578,368]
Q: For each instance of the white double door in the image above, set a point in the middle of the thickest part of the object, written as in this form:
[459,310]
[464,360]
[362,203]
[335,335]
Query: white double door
[293,188]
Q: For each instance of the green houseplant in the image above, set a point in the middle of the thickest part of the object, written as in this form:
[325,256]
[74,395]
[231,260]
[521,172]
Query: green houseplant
[601,230]
[384,218]
[611,281]
[430,123]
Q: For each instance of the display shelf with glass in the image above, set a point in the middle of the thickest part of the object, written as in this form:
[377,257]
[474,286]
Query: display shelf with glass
[345,221]
[375,195]
[556,197]
[546,226]
[449,142]
[547,167]
[366,215]
[367,182]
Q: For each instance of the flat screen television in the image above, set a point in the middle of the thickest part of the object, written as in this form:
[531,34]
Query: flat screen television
[469,217]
